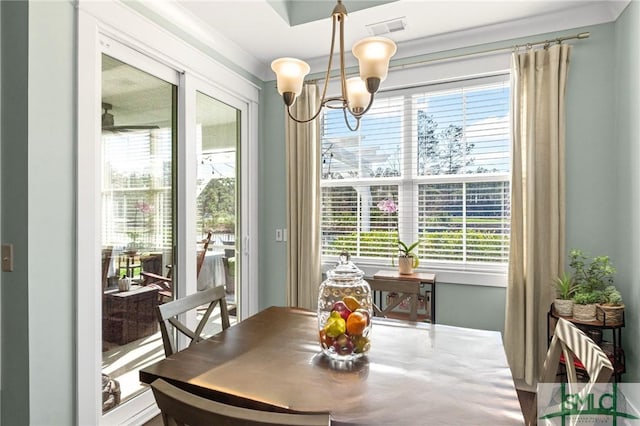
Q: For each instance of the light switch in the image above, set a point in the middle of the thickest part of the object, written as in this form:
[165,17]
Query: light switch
[278,234]
[7,258]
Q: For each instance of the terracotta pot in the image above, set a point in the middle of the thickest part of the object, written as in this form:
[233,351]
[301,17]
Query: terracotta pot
[563,307]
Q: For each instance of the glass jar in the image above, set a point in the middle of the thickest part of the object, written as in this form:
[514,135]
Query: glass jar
[345,309]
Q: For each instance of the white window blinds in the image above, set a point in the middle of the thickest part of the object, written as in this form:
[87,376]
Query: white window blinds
[430,163]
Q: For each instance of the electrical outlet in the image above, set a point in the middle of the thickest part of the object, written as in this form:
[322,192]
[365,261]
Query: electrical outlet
[278,234]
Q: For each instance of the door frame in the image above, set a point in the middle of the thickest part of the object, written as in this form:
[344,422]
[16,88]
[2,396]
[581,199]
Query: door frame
[98,24]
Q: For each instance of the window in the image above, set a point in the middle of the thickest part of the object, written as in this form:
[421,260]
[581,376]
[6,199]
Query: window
[430,163]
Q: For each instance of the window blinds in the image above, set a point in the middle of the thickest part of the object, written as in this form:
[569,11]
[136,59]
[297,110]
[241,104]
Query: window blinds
[430,163]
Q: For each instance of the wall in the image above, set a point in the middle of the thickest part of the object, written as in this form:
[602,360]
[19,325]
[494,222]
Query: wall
[272,200]
[590,166]
[627,180]
[14,299]
[38,209]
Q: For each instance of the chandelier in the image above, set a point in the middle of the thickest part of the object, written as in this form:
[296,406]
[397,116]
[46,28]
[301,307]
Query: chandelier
[373,54]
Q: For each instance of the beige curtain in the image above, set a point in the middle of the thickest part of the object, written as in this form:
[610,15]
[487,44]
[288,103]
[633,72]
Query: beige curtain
[537,249]
[303,202]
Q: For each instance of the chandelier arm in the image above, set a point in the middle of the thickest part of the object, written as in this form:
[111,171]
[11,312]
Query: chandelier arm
[326,78]
[328,74]
[343,75]
[307,120]
[346,120]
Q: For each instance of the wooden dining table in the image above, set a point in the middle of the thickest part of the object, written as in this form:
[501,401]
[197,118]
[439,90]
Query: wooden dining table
[414,373]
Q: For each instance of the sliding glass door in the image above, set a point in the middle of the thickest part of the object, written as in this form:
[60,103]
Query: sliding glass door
[138,123]
[217,143]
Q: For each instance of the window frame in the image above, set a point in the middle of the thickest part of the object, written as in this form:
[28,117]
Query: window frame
[409,181]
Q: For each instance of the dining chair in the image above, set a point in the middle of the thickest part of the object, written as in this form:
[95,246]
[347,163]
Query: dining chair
[569,346]
[164,284]
[179,407]
[168,315]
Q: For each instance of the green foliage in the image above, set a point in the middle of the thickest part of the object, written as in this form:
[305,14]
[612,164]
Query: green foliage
[565,287]
[487,245]
[586,298]
[611,296]
[217,205]
[407,250]
[590,275]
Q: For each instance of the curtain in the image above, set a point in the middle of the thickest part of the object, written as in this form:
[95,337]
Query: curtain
[537,247]
[303,202]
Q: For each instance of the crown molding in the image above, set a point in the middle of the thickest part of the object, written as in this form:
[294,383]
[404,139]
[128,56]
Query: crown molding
[591,13]
[205,38]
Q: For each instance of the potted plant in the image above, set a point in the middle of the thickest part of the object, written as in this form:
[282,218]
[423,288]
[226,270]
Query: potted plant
[565,288]
[610,308]
[590,275]
[407,259]
[584,305]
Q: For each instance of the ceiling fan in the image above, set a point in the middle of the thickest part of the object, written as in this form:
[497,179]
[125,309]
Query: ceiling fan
[108,123]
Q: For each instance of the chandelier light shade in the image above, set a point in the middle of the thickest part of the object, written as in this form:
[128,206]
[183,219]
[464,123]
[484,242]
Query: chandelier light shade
[357,93]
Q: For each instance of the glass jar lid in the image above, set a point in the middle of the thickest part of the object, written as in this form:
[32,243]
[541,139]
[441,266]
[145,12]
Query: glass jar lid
[345,269]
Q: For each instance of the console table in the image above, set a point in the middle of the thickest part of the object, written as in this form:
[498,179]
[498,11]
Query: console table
[129,315]
[408,286]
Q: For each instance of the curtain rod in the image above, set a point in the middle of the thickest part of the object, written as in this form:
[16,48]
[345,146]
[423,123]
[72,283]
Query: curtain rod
[514,47]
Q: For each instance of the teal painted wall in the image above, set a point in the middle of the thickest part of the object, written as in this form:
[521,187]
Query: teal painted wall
[590,173]
[627,180]
[272,199]
[38,212]
[15,291]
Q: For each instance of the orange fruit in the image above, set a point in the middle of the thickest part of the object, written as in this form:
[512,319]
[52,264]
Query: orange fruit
[356,323]
[351,302]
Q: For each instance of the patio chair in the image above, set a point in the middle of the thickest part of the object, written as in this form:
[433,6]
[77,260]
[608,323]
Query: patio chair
[164,284]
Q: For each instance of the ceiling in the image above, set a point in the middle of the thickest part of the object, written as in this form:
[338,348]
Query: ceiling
[252,33]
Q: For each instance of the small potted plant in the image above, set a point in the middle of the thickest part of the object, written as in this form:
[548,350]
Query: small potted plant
[565,288]
[610,308]
[407,259]
[591,277]
[584,305]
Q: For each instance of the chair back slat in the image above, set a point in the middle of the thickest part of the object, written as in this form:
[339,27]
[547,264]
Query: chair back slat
[181,407]
[169,315]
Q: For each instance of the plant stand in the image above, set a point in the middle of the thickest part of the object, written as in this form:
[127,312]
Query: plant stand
[595,329]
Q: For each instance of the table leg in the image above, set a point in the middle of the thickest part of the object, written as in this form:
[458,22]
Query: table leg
[433,302]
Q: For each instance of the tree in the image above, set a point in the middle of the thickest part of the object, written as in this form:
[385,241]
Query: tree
[217,203]
[443,152]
